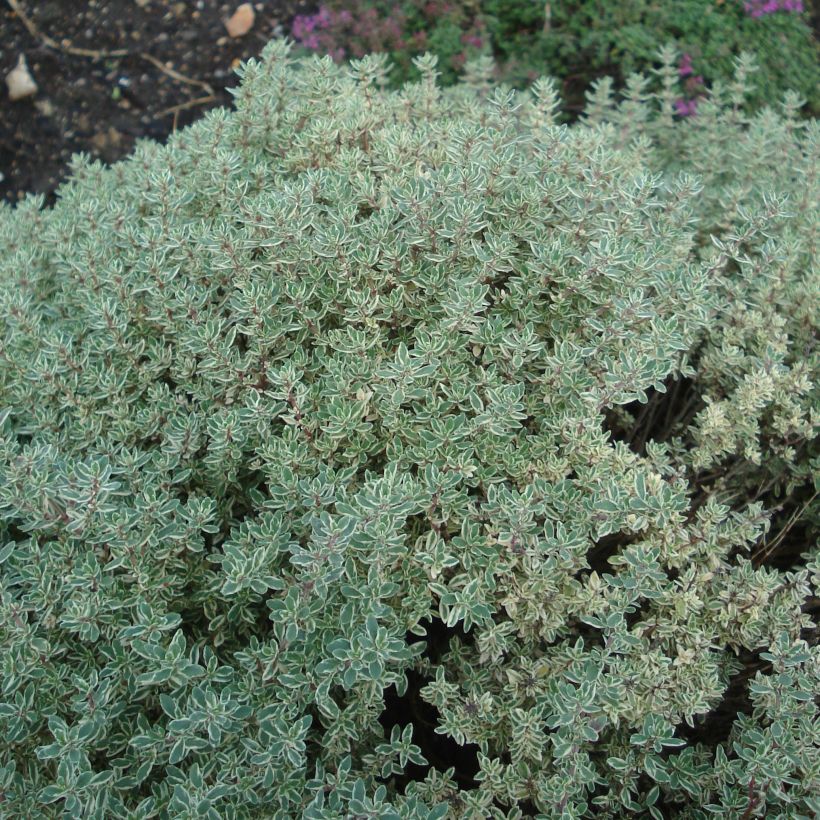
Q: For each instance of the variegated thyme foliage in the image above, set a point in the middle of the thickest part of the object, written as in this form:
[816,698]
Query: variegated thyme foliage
[348,369]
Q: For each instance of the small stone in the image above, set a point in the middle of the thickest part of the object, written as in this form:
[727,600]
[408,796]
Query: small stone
[241,21]
[103,140]
[45,107]
[19,81]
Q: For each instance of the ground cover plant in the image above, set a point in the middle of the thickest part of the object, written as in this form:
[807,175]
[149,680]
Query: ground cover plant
[578,41]
[405,454]
[591,38]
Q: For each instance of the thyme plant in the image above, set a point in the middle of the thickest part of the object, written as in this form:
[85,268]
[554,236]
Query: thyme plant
[404,454]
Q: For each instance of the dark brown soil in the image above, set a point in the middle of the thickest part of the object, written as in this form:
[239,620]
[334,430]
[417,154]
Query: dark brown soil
[102,104]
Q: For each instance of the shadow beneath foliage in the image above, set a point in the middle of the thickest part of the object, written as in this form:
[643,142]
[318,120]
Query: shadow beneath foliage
[714,727]
[441,751]
[791,533]
[664,414]
[604,548]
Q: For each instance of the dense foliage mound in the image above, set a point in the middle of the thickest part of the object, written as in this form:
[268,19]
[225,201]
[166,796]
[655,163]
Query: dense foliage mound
[405,455]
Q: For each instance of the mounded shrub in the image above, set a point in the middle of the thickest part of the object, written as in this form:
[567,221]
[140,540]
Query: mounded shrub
[406,455]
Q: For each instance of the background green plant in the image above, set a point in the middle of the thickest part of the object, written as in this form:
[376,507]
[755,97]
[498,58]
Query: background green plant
[354,422]
[595,37]
[579,42]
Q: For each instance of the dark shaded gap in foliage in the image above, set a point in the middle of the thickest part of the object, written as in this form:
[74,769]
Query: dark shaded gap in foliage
[714,727]
[664,413]
[441,752]
[632,619]
[438,638]
[605,547]
[791,533]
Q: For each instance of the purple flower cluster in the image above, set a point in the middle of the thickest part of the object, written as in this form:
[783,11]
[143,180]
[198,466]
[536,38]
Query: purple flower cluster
[306,27]
[685,69]
[688,106]
[760,8]
[362,29]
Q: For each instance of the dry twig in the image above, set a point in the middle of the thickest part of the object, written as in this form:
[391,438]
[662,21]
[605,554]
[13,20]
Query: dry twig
[52,43]
[175,74]
[99,54]
[766,550]
[175,109]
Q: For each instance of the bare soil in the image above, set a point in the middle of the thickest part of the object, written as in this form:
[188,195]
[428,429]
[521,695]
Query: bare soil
[178,62]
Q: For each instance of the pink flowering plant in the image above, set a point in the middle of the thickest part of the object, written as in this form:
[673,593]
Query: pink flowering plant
[353,29]
[760,8]
[358,29]
[692,86]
